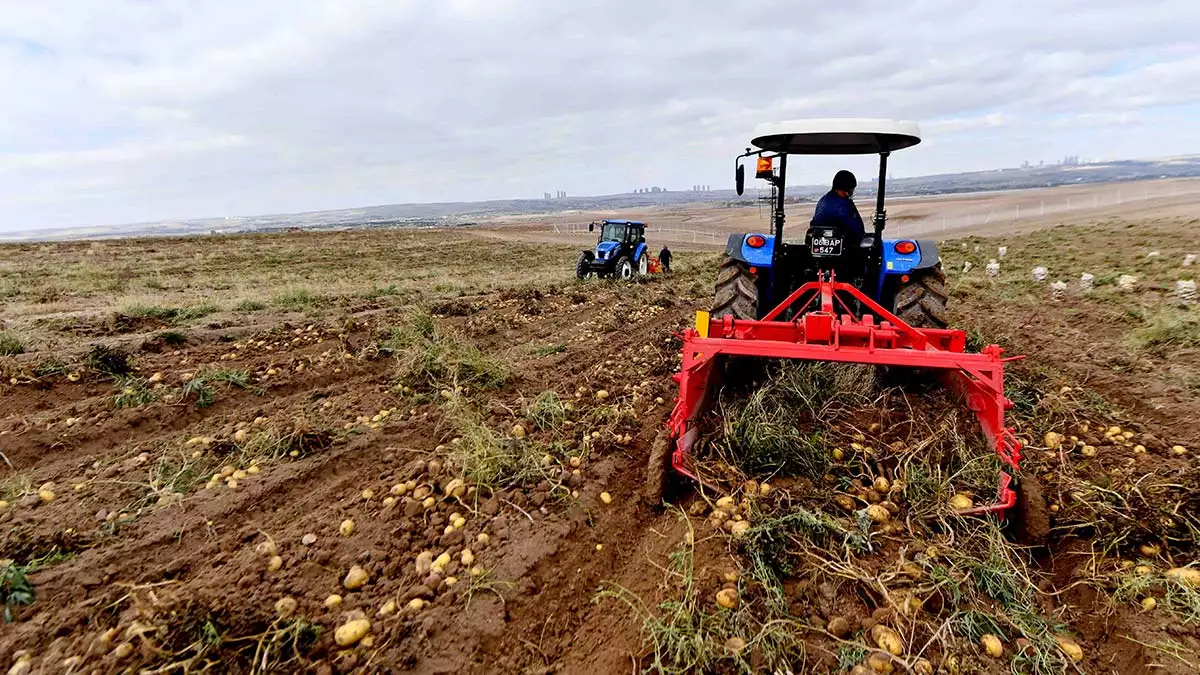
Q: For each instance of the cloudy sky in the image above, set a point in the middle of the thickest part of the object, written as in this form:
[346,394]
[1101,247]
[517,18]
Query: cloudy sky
[116,111]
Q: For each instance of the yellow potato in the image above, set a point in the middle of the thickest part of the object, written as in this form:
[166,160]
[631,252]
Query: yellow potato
[961,502]
[346,528]
[285,607]
[878,514]
[356,578]
[887,639]
[992,645]
[727,598]
[349,633]
[1188,576]
[1070,648]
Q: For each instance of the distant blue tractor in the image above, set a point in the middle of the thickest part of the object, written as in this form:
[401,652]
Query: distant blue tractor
[620,251]
[760,270]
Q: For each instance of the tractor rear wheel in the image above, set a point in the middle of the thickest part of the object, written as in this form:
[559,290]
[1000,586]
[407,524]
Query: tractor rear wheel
[737,294]
[623,268]
[921,301]
[643,266]
[582,268]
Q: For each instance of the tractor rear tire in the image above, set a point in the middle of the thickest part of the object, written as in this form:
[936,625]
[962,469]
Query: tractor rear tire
[921,301]
[737,294]
[643,266]
[582,268]
[623,269]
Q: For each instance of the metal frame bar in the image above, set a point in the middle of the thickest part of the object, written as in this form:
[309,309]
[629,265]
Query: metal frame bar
[823,335]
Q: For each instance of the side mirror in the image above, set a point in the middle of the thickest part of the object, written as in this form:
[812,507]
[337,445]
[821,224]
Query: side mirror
[739,179]
[591,227]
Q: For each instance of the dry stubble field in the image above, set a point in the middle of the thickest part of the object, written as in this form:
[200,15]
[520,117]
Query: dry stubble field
[383,451]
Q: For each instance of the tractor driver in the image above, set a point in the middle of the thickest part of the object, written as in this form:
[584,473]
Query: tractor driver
[836,208]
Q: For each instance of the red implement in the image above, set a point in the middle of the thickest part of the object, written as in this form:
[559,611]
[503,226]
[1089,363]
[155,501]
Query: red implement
[821,333]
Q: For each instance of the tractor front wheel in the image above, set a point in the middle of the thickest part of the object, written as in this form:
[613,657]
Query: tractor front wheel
[624,268]
[921,301]
[737,293]
[582,267]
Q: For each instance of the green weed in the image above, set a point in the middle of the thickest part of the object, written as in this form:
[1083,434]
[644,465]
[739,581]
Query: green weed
[10,344]
[429,357]
[133,392]
[200,388]
[15,589]
[547,411]
[249,306]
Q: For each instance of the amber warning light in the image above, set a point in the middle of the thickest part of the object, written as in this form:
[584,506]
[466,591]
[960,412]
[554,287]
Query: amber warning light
[766,167]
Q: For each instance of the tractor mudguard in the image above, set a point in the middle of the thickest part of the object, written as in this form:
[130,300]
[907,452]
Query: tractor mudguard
[924,257]
[637,252]
[737,248]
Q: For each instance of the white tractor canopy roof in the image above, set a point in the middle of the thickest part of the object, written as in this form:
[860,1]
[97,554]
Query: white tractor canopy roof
[837,136]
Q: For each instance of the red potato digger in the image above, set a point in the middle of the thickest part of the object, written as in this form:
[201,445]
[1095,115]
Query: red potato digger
[834,297]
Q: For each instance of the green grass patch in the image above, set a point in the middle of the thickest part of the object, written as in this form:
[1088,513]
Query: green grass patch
[431,357]
[248,305]
[10,344]
[174,315]
[299,300]
[548,411]
[1168,331]
[133,392]
[201,390]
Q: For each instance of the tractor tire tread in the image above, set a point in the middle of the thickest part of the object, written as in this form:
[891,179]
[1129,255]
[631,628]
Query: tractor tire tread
[921,302]
[736,292]
[581,267]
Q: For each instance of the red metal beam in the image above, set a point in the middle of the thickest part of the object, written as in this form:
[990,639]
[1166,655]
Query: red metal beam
[822,335]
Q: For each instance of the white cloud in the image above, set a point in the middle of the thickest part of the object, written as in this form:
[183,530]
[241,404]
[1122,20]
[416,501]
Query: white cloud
[131,111]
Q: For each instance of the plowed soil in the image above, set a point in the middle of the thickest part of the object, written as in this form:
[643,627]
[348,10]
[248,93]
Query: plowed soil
[146,525]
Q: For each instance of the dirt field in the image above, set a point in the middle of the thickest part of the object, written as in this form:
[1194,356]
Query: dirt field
[227,454]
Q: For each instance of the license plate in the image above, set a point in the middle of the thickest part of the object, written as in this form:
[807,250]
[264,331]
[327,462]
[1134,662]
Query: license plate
[825,246]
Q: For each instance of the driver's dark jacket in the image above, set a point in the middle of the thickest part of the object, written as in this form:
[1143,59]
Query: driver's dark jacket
[834,210]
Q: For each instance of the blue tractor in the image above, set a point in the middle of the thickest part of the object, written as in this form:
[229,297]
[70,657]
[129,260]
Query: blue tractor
[620,251]
[760,270]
